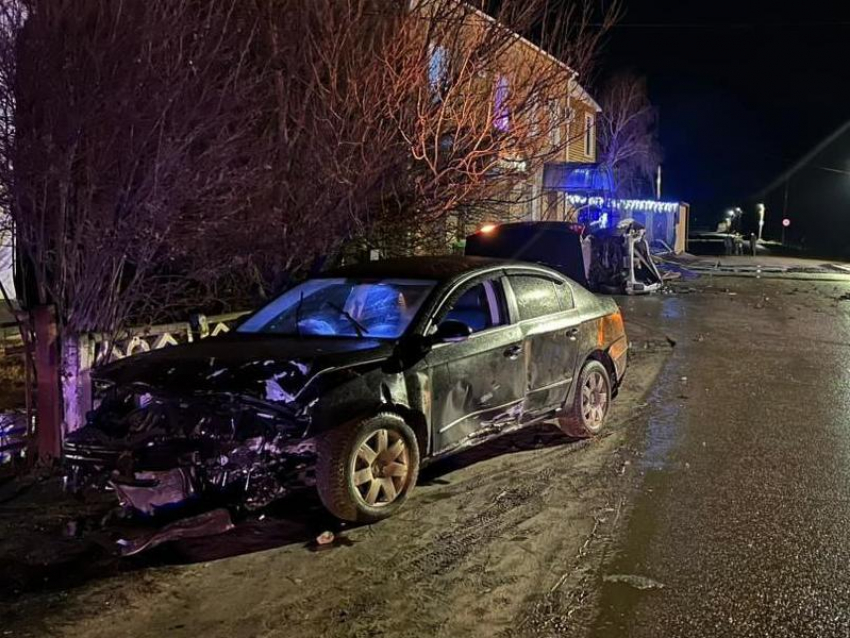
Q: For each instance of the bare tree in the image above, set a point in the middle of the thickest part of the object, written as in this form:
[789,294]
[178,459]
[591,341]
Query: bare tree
[628,135]
[172,153]
[167,154]
[491,110]
[132,137]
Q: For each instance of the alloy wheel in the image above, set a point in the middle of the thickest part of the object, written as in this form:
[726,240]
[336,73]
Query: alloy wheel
[594,400]
[381,468]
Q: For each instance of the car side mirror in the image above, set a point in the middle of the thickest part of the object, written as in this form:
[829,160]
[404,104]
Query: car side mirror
[452,331]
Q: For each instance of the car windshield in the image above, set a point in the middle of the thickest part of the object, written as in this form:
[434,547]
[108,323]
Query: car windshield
[380,309]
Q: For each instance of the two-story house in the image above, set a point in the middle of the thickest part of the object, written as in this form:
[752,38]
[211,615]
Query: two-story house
[553,117]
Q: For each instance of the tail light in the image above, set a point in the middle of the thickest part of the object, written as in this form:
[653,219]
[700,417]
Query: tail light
[610,329]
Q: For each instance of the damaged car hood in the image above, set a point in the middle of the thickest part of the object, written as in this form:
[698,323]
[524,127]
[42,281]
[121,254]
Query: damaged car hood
[272,369]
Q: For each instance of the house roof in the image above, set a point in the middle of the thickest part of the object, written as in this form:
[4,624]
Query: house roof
[576,90]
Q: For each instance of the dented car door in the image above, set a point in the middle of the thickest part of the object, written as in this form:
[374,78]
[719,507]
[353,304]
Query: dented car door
[478,383]
[550,325]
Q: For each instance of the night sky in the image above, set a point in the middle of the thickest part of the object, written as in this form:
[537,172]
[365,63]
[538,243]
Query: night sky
[745,88]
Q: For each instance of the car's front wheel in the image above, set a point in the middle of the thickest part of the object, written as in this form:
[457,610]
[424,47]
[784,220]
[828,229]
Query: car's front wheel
[365,472]
[592,400]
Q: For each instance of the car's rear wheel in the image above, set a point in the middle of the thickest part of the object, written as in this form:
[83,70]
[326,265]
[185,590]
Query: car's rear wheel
[365,472]
[591,402]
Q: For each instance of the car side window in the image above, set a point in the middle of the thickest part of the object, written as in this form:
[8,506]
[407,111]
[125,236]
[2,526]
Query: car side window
[481,307]
[536,296]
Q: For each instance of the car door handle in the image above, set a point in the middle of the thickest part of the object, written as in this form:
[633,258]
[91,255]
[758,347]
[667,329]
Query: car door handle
[513,352]
[572,333]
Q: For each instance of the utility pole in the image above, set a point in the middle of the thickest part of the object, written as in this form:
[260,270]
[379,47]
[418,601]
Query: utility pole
[785,206]
[658,183]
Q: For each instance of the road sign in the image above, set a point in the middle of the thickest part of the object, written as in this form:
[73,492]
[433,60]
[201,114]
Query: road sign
[786,223]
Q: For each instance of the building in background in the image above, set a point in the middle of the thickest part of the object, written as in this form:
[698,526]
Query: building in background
[6,262]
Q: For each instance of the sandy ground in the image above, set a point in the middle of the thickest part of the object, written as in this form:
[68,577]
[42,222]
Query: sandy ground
[505,539]
[723,477]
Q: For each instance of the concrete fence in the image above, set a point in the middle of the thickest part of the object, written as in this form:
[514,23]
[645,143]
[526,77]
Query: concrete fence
[79,356]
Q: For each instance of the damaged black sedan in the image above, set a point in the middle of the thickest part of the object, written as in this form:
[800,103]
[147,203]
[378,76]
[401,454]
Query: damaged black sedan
[352,381]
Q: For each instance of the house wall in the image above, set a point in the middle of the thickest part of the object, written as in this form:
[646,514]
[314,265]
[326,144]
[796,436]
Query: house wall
[527,199]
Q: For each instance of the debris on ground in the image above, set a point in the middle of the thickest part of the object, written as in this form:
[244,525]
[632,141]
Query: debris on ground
[209,523]
[325,538]
[638,582]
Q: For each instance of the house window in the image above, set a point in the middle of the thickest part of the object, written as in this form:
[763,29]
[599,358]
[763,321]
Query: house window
[589,136]
[501,108]
[555,124]
[437,68]
[535,118]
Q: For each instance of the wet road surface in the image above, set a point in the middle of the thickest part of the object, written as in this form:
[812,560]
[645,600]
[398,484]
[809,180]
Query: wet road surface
[743,506]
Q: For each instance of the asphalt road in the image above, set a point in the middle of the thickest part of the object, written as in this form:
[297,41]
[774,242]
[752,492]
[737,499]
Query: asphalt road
[742,511]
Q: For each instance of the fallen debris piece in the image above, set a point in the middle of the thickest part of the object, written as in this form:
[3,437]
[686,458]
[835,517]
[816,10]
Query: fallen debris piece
[638,582]
[70,529]
[209,523]
[325,538]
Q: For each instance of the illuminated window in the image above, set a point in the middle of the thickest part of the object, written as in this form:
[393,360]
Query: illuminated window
[589,137]
[501,109]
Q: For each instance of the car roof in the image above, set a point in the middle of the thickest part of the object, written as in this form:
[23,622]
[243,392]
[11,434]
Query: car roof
[547,226]
[437,268]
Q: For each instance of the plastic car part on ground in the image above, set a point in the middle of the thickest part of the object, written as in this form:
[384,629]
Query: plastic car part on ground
[207,524]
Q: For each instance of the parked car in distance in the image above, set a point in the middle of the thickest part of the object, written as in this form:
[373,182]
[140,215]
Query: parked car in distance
[354,379]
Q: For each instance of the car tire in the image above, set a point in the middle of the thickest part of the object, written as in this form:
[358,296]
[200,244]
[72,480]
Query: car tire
[366,470]
[591,402]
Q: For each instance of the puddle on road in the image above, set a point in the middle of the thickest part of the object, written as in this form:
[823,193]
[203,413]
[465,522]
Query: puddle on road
[663,433]
[664,420]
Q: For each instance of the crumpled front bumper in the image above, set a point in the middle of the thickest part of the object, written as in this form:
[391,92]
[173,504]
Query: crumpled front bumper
[165,475]
[153,492]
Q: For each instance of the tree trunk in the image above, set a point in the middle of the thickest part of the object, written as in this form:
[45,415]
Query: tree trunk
[49,399]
